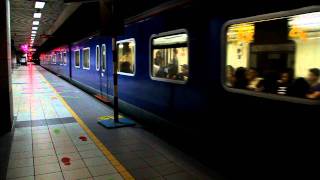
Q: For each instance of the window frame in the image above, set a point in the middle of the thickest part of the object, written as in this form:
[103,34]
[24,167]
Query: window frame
[134,59]
[83,49]
[65,62]
[54,59]
[163,34]
[264,17]
[98,61]
[103,46]
[61,58]
[75,64]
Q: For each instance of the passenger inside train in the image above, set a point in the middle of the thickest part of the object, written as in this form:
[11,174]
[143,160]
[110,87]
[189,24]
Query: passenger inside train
[283,83]
[126,56]
[278,56]
[313,79]
[248,79]
[170,58]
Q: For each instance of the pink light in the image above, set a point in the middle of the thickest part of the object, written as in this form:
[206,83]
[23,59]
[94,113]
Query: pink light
[24,48]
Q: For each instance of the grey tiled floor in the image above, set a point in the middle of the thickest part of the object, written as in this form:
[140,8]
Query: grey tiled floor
[46,132]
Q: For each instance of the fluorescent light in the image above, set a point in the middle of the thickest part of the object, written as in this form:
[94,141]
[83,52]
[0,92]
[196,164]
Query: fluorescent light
[33,32]
[33,35]
[35,22]
[34,28]
[39,5]
[37,15]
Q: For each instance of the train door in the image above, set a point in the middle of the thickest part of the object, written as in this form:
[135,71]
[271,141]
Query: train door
[102,73]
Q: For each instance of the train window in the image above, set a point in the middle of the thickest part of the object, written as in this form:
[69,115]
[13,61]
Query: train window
[54,61]
[275,56]
[65,58]
[49,60]
[77,58]
[170,57]
[86,58]
[97,58]
[57,58]
[60,58]
[126,56]
[104,57]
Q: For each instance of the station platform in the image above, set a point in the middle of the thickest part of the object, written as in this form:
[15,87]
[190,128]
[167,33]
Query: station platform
[56,136]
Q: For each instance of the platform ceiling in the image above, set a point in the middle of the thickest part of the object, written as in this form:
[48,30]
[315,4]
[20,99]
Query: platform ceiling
[22,18]
[70,20]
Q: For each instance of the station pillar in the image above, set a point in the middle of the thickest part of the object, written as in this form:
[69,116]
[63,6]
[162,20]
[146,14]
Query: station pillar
[6,113]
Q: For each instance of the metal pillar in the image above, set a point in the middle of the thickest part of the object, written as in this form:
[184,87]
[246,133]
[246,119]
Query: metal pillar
[6,120]
[112,25]
[115,80]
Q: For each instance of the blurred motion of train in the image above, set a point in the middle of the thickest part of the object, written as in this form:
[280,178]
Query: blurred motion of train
[234,90]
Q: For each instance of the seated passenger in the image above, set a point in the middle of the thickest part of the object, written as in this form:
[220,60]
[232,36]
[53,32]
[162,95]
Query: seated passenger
[161,72]
[173,66]
[230,79]
[313,80]
[254,82]
[240,81]
[172,71]
[299,88]
[157,63]
[183,76]
[283,83]
[125,67]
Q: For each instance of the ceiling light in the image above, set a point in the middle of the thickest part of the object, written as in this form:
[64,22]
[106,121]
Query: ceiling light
[33,32]
[34,28]
[39,5]
[33,35]
[35,22]
[37,15]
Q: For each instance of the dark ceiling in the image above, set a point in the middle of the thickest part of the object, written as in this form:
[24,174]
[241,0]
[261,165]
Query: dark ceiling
[22,16]
[86,20]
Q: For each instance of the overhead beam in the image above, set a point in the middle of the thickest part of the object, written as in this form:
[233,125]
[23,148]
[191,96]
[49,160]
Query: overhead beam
[64,15]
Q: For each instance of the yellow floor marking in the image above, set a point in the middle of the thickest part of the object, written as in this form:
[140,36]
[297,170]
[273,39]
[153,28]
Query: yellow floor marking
[116,164]
[101,118]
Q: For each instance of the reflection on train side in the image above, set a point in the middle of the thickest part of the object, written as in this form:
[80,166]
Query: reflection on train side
[279,56]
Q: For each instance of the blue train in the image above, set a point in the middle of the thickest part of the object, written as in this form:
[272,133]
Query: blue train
[238,85]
